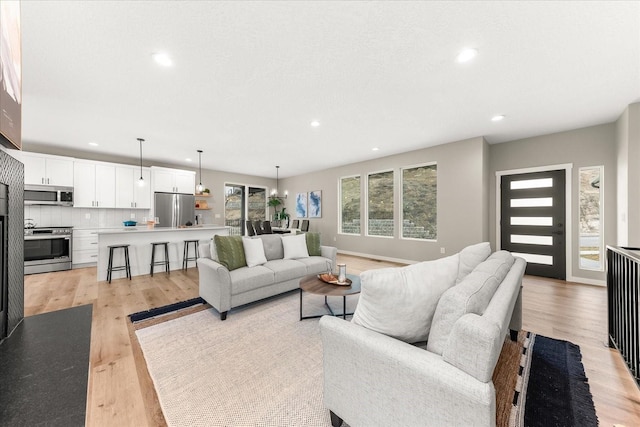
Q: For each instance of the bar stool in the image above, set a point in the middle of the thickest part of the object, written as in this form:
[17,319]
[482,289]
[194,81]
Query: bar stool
[126,267]
[185,253]
[166,256]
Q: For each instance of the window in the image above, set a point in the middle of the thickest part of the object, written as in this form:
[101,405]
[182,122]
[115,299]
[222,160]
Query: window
[590,211]
[380,204]
[419,202]
[350,205]
[241,203]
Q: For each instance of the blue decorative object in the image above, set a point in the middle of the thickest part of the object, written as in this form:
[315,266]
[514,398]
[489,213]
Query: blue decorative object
[301,205]
[315,204]
[129,223]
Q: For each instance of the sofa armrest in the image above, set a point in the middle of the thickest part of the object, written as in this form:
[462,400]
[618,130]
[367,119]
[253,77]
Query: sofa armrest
[330,252]
[474,346]
[214,284]
[371,379]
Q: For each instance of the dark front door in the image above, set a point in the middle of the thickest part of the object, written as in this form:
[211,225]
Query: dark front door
[532,221]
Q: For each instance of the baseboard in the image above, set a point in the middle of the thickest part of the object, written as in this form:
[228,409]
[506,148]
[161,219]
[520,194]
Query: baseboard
[594,282]
[378,257]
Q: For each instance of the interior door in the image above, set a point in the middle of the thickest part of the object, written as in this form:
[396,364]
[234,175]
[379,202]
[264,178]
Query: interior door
[532,221]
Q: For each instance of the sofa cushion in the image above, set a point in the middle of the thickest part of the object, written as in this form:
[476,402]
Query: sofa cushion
[272,244]
[470,257]
[230,251]
[295,246]
[286,269]
[313,244]
[316,264]
[471,295]
[400,302]
[253,251]
[247,279]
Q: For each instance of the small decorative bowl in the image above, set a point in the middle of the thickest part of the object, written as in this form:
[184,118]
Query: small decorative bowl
[129,223]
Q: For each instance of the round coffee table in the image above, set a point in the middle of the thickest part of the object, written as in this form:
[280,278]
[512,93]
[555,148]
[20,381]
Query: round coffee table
[314,285]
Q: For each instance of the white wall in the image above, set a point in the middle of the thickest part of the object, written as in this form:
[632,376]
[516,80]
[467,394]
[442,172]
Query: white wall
[628,176]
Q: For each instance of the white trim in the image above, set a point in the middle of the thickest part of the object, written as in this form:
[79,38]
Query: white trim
[378,257]
[568,226]
[585,281]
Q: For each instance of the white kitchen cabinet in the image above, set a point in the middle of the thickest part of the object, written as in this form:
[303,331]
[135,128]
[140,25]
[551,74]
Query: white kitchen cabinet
[85,247]
[94,185]
[167,180]
[41,169]
[129,194]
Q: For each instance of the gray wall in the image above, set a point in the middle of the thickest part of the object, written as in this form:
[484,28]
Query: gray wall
[462,201]
[628,176]
[592,146]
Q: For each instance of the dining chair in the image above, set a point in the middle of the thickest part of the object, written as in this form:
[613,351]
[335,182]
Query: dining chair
[294,223]
[257,225]
[266,227]
[250,230]
[305,225]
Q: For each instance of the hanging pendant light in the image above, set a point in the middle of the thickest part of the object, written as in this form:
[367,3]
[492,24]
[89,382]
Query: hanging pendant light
[200,187]
[141,180]
[276,194]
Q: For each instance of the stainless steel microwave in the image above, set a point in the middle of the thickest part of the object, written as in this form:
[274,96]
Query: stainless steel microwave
[48,195]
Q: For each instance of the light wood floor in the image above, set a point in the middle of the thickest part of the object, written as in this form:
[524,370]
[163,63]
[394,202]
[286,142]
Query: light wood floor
[116,397]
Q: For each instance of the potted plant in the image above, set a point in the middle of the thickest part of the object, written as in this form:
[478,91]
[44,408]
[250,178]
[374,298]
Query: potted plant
[206,192]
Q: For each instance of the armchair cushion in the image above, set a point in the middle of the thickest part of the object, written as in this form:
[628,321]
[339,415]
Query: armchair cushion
[400,302]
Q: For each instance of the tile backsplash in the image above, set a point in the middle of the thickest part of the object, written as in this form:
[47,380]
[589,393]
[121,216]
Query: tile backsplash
[61,216]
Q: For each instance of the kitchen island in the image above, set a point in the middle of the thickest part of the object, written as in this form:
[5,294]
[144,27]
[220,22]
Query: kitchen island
[140,239]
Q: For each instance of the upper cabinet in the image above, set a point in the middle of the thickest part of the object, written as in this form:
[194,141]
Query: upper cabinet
[167,180]
[129,193]
[94,185]
[43,169]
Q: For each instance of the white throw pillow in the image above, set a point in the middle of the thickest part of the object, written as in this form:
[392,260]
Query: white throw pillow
[253,251]
[295,247]
[401,302]
[471,257]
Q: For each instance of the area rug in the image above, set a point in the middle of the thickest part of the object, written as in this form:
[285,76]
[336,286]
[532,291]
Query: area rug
[263,367]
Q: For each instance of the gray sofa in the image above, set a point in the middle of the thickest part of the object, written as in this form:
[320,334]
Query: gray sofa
[372,379]
[225,289]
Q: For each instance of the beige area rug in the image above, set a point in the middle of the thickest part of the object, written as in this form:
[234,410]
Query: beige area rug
[260,367]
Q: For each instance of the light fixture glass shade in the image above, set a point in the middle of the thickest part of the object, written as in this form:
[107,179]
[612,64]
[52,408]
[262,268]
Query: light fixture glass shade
[141,182]
[199,188]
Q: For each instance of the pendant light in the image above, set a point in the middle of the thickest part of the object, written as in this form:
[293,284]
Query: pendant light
[200,187]
[275,194]
[141,180]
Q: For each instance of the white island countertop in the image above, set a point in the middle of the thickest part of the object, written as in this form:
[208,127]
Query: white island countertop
[139,240]
[145,229]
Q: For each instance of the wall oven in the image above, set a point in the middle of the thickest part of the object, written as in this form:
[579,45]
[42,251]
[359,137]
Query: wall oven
[47,249]
[48,195]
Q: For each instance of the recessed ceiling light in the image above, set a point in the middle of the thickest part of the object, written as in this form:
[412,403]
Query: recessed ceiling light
[315,123]
[162,59]
[93,144]
[467,55]
[188,160]
[497,118]
[375,149]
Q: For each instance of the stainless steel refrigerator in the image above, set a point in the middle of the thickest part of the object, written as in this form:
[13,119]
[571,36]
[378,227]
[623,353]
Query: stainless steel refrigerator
[173,210]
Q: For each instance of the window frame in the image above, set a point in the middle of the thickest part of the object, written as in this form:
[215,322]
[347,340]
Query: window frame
[601,245]
[401,201]
[340,231]
[366,198]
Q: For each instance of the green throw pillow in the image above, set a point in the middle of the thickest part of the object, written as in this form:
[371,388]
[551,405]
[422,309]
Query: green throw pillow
[230,251]
[313,244]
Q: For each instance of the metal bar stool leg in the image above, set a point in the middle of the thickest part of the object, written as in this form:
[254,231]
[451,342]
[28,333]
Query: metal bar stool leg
[110,265]
[126,262]
[166,258]
[185,254]
[153,257]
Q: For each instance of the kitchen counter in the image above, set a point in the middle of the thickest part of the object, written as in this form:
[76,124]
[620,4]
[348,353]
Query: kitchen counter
[145,229]
[139,239]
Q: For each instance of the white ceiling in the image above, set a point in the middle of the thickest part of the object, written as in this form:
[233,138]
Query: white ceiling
[249,77]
